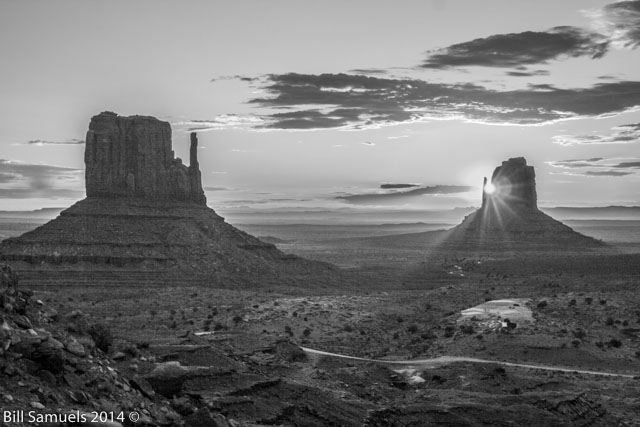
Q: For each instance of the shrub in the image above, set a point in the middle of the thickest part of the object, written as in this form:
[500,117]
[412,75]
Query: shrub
[413,328]
[429,335]
[307,332]
[467,329]
[542,304]
[448,331]
[609,321]
[288,331]
[347,328]
[588,300]
[101,335]
[614,342]
[579,333]
[237,319]
[572,303]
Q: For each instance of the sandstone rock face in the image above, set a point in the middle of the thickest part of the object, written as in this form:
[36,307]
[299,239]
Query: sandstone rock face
[132,157]
[514,183]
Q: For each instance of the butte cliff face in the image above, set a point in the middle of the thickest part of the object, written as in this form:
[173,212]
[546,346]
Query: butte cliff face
[145,213]
[509,217]
[132,157]
[515,183]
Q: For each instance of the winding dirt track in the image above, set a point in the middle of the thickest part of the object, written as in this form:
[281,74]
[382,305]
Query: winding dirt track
[445,360]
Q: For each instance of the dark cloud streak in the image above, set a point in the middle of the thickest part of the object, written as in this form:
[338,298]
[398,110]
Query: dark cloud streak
[516,49]
[357,101]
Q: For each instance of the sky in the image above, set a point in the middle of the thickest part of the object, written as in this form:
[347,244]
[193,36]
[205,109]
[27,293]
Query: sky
[306,104]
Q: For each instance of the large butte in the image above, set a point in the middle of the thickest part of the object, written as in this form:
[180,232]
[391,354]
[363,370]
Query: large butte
[144,220]
[509,218]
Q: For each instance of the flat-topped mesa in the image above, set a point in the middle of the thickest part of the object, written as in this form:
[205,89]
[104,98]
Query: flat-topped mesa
[514,183]
[132,157]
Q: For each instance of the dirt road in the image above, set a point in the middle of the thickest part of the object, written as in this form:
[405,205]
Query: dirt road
[445,360]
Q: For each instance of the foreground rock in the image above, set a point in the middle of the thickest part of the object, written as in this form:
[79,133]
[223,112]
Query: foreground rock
[55,366]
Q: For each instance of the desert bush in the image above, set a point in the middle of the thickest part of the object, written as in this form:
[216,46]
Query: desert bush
[588,300]
[467,329]
[579,333]
[614,342]
[413,328]
[288,331]
[576,343]
[599,344]
[347,328]
[237,319]
[448,331]
[429,335]
[101,335]
[609,321]
[218,326]
[307,332]
[542,304]
[400,319]
[396,336]
[572,303]
[603,301]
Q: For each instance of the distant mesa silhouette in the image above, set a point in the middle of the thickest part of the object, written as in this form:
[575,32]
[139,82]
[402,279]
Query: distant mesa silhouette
[509,217]
[145,212]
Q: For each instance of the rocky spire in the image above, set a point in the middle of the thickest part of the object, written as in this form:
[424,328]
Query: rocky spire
[132,157]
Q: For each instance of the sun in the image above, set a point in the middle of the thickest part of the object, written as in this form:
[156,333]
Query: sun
[489,188]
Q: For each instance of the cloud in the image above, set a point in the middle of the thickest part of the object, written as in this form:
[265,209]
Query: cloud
[607,173]
[397,197]
[525,73]
[620,22]
[48,142]
[234,77]
[323,101]
[576,163]
[368,71]
[223,121]
[598,166]
[23,180]
[628,165]
[623,134]
[516,49]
